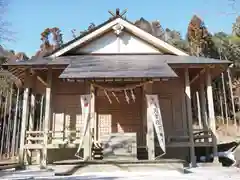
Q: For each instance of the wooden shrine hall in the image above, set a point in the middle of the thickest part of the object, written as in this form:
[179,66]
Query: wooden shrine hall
[117,87]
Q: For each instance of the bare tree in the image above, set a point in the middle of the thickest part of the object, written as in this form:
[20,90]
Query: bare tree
[5,33]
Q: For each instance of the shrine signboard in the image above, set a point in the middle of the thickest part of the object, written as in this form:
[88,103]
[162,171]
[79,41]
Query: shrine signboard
[155,114]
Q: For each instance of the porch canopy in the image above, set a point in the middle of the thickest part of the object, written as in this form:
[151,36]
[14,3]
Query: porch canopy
[136,65]
[118,67]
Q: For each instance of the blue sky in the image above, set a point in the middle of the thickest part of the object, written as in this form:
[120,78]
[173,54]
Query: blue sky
[30,18]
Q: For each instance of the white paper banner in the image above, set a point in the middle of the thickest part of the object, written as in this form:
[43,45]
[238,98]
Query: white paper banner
[155,114]
[85,105]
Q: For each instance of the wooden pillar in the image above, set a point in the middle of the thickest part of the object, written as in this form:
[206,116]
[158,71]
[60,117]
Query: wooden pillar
[150,127]
[93,112]
[3,138]
[199,111]
[25,111]
[203,105]
[221,104]
[189,117]
[224,98]
[211,113]
[47,118]
[32,102]
[88,138]
[31,124]
[41,113]
[93,120]
[32,80]
[32,111]
[14,145]
[9,122]
[232,99]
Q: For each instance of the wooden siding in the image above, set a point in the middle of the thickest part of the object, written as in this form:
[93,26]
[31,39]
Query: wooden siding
[67,113]
[172,104]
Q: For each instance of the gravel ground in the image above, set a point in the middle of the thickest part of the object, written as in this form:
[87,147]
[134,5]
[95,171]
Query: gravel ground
[206,173]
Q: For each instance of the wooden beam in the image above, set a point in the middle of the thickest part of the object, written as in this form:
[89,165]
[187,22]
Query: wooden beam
[24,118]
[197,76]
[42,81]
[189,117]
[47,118]
[34,73]
[150,128]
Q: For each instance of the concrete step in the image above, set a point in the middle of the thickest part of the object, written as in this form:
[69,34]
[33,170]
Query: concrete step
[25,174]
[63,170]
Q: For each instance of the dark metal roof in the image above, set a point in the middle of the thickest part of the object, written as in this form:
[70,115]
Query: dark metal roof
[109,67]
[169,59]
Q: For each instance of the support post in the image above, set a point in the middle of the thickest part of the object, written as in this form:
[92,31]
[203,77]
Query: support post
[47,118]
[32,112]
[40,128]
[211,112]
[189,117]
[3,138]
[204,114]
[203,106]
[150,127]
[41,113]
[15,125]
[221,103]
[24,118]
[9,122]
[31,124]
[232,99]
[199,111]
[224,98]
[93,115]
[88,138]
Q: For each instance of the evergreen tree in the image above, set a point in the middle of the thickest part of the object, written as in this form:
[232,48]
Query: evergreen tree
[236,27]
[200,40]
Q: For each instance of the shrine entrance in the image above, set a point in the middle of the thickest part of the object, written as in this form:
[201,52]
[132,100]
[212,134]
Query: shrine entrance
[119,112]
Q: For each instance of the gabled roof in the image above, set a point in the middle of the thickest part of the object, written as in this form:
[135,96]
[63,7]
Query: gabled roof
[66,60]
[92,60]
[106,26]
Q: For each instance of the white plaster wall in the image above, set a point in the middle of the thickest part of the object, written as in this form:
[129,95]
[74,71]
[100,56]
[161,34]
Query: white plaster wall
[110,43]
